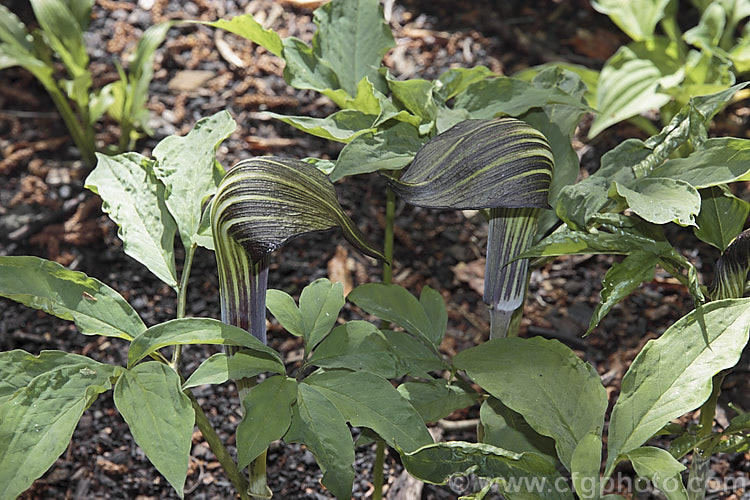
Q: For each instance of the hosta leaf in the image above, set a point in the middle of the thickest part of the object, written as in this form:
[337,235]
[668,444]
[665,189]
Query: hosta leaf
[722,216]
[192,331]
[187,167]
[719,161]
[480,164]
[160,418]
[247,27]
[70,295]
[672,374]
[244,363]
[660,200]
[629,81]
[267,415]
[456,80]
[437,463]
[63,32]
[264,202]
[134,198]
[37,422]
[366,400]
[342,126]
[637,18]
[416,95]
[558,394]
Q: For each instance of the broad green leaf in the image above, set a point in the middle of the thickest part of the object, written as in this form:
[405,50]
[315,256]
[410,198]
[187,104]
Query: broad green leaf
[192,331]
[502,427]
[480,164]
[456,80]
[660,200]
[672,375]
[391,147]
[266,201]
[13,31]
[305,69]
[705,73]
[584,467]
[352,38]
[267,415]
[37,422]
[160,418]
[661,468]
[708,32]
[186,167]
[322,429]
[622,279]
[366,400]
[637,18]
[413,357]
[95,308]
[356,345]
[722,216]
[522,472]
[557,393]
[436,399]
[509,96]
[285,310]
[416,95]
[629,81]
[395,304]
[245,363]
[434,307]
[247,27]
[134,198]
[341,126]
[81,10]
[719,161]
[588,76]
[319,305]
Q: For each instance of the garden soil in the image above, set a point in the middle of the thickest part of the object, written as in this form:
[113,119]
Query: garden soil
[45,211]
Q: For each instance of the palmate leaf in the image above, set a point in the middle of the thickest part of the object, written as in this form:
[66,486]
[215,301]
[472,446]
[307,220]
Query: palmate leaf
[500,162]
[264,202]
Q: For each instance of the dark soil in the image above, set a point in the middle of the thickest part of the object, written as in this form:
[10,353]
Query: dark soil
[45,211]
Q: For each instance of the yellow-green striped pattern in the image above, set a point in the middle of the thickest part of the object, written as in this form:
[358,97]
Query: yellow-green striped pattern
[732,267]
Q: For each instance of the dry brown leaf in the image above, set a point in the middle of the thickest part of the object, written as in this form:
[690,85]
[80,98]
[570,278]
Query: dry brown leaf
[338,269]
[471,273]
[187,80]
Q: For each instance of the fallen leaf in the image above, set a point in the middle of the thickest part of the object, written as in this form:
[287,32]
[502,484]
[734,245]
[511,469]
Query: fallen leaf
[338,269]
[471,273]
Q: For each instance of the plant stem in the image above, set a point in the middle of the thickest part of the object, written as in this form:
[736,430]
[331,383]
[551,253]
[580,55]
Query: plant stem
[377,472]
[182,299]
[217,447]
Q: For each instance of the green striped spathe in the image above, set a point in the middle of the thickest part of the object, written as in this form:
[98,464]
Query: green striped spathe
[732,267]
[500,162]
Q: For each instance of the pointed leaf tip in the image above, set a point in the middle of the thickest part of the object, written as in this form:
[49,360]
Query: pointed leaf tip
[500,162]
[262,203]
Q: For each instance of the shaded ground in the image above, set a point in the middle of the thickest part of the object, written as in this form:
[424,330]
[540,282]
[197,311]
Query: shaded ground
[44,211]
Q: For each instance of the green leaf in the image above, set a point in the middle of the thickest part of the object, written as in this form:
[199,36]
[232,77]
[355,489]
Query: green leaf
[395,304]
[285,310]
[436,399]
[267,415]
[584,467]
[13,31]
[622,279]
[502,427]
[413,357]
[134,198]
[305,69]
[630,79]
[320,426]
[661,468]
[637,18]
[456,80]
[672,375]
[247,27]
[719,161]
[661,200]
[352,38]
[37,422]
[491,97]
[266,201]
[193,331]
[95,308]
[437,463]
[160,418]
[245,363]
[434,307]
[480,164]
[557,393]
[389,148]
[710,28]
[589,77]
[186,167]
[721,218]
[356,345]
[416,95]
[366,400]
[341,126]
[319,305]
[63,33]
